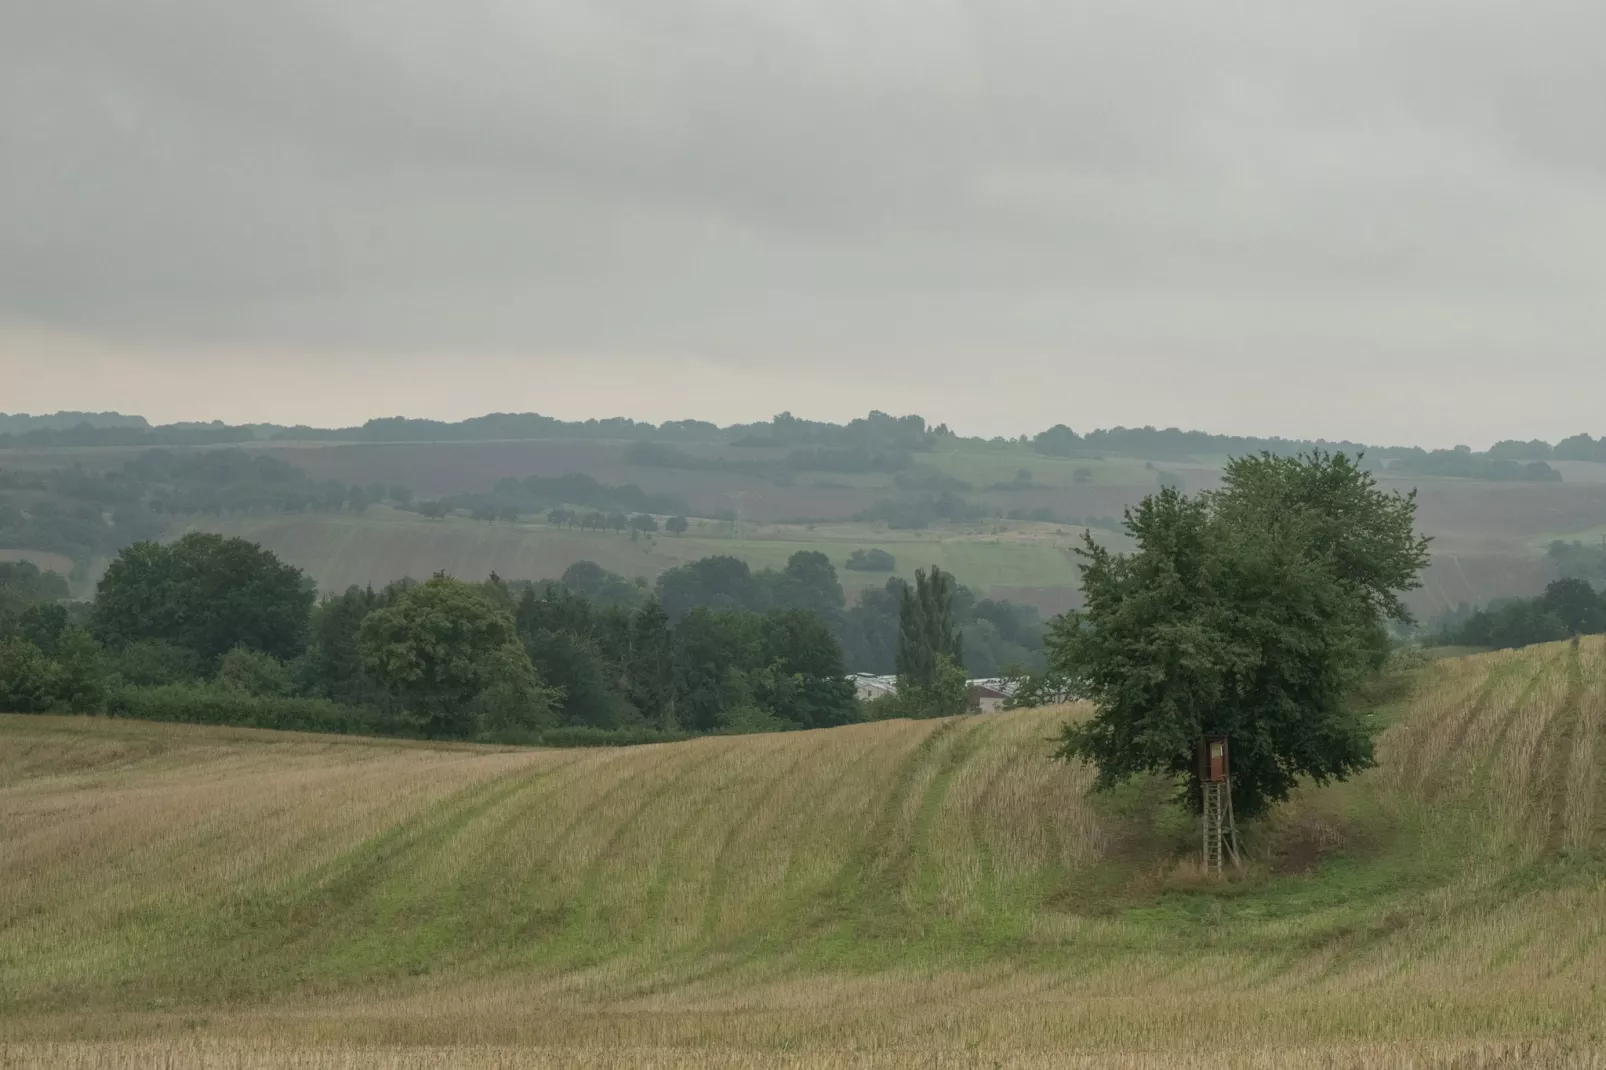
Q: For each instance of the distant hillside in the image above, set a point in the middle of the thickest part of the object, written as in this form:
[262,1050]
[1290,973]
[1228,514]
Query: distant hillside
[1032,566]
[21,423]
[1492,517]
[876,431]
[772,894]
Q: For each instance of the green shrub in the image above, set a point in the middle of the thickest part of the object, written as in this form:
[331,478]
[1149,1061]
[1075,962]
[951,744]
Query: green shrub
[155,662]
[25,677]
[78,681]
[252,672]
[587,736]
[217,704]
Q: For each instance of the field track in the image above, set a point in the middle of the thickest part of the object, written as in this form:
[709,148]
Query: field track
[931,894]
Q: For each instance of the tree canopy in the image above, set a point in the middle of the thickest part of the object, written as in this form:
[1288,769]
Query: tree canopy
[452,656]
[1252,611]
[1568,607]
[207,593]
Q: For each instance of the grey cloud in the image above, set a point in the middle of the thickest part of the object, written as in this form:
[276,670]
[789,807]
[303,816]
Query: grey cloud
[757,176]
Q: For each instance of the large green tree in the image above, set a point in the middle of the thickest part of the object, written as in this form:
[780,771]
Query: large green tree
[649,666]
[572,643]
[1366,536]
[803,681]
[206,593]
[333,666]
[717,657]
[1253,612]
[809,582]
[452,656]
[720,582]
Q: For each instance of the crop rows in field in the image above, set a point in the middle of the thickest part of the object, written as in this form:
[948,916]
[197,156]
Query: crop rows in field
[924,891]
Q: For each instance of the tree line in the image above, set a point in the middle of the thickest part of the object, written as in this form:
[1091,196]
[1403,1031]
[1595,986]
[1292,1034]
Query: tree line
[1569,606]
[217,629]
[841,459]
[22,422]
[576,495]
[877,431]
[1462,463]
[1510,459]
[1259,611]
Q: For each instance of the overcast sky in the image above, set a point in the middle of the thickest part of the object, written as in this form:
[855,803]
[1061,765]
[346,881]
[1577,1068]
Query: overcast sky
[1379,219]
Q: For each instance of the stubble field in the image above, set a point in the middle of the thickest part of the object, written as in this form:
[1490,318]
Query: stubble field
[904,894]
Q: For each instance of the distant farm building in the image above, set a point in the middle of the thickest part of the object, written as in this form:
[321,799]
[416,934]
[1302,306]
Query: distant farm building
[989,695]
[870,686]
[986,696]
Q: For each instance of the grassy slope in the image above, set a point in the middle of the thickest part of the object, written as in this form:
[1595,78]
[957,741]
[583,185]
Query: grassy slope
[903,888]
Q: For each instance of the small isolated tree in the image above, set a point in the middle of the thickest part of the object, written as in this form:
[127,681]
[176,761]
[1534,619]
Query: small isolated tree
[872,560]
[1251,612]
[451,655]
[676,525]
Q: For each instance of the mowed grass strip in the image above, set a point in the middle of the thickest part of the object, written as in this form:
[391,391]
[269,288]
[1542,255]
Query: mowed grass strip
[923,892]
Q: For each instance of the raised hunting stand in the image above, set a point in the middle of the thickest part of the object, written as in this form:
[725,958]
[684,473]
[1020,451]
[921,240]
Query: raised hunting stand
[1215,779]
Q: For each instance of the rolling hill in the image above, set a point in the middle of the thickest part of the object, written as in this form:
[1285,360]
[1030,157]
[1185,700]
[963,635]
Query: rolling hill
[934,893]
[1490,537]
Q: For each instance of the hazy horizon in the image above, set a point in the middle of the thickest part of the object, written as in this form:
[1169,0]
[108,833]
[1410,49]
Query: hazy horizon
[208,392]
[1374,221]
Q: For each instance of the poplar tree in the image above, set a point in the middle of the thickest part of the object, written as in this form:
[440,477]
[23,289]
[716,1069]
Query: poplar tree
[931,679]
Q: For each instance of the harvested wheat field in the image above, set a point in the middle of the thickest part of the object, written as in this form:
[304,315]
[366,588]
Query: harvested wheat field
[907,894]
